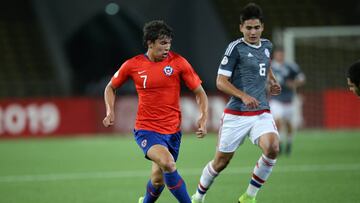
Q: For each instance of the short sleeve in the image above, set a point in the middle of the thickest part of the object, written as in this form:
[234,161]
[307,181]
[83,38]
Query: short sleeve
[121,75]
[299,74]
[296,72]
[188,74]
[229,61]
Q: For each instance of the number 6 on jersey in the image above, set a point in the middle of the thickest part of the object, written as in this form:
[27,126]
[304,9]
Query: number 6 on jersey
[262,70]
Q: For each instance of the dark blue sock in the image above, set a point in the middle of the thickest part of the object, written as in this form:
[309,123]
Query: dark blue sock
[177,186]
[152,193]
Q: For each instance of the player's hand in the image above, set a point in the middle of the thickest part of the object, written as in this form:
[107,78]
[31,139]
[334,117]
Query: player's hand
[275,88]
[201,131]
[109,120]
[250,101]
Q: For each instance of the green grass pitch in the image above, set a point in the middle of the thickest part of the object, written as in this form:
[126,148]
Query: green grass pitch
[324,167]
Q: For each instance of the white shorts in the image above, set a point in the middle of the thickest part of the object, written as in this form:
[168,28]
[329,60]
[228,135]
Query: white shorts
[234,130]
[282,110]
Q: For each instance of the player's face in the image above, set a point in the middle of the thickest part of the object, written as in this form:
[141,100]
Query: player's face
[279,56]
[252,30]
[159,49]
[353,87]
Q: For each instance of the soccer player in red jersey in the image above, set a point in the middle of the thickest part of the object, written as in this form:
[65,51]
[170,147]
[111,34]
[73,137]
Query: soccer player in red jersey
[157,76]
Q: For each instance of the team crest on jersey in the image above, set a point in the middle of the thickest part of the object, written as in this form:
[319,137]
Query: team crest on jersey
[224,61]
[168,70]
[143,143]
[267,53]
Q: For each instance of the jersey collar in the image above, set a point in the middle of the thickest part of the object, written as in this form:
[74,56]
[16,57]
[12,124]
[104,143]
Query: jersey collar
[251,45]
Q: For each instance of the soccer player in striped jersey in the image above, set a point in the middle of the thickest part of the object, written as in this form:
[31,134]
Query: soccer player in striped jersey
[353,78]
[283,106]
[244,74]
[157,76]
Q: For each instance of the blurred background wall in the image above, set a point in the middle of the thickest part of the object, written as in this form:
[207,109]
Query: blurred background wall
[96,37]
[70,49]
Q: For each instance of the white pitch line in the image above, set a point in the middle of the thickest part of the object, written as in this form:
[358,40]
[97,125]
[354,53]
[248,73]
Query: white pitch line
[184,172]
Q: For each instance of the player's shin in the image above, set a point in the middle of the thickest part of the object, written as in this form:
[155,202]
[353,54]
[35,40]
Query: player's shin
[261,173]
[152,192]
[207,178]
[289,142]
[177,186]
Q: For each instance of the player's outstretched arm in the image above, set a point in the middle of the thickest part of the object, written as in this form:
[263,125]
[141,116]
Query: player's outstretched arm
[202,101]
[109,98]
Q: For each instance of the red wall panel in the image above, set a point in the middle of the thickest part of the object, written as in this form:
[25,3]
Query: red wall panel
[341,109]
[41,117]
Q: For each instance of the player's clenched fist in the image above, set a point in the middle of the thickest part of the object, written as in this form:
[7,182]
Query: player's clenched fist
[108,120]
[275,89]
[201,131]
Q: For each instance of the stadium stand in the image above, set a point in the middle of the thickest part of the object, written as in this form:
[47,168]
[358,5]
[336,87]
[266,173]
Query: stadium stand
[25,67]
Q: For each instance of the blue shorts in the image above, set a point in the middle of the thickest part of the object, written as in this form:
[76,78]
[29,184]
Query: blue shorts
[146,139]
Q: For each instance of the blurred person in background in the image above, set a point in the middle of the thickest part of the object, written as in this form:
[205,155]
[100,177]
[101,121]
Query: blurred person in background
[283,106]
[157,75]
[353,78]
[244,73]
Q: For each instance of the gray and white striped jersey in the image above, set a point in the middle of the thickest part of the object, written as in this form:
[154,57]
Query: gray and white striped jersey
[247,65]
[283,73]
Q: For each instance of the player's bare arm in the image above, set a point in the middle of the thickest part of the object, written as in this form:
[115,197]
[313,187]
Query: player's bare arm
[202,101]
[224,85]
[275,87]
[109,97]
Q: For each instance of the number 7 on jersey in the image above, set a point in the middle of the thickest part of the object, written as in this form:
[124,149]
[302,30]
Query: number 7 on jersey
[145,78]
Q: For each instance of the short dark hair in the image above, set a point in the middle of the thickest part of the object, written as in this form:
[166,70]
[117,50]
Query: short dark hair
[354,73]
[278,48]
[156,29]
[251,11]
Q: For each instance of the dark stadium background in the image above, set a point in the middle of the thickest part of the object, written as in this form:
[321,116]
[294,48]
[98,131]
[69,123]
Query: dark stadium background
[70,49]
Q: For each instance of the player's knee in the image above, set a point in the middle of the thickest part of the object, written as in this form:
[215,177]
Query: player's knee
[167,165]
[157,181]
[272,151]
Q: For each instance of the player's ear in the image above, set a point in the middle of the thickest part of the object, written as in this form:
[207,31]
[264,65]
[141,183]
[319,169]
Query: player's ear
[150,44]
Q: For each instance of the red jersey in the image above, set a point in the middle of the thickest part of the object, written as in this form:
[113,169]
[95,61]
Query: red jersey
[158,88]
